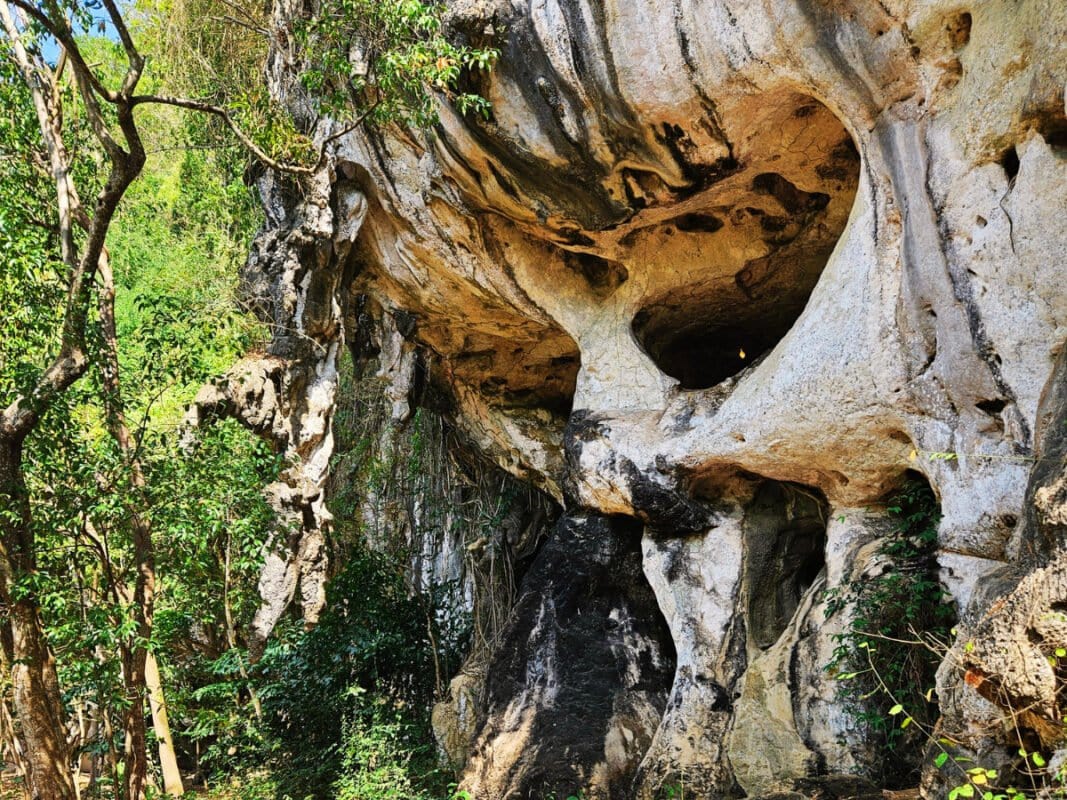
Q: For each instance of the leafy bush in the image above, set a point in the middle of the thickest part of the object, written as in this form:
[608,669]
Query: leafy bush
[902,620]
[386,756]
[386,58]
[352,694]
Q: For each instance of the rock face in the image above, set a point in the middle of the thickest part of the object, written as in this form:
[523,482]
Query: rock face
[580,683]
[294,281]
[715,276]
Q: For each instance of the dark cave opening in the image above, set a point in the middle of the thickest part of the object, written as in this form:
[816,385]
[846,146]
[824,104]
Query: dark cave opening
[588,631]
[743,267]
[785,535]
[705,352]
[705,331]
[1009,161]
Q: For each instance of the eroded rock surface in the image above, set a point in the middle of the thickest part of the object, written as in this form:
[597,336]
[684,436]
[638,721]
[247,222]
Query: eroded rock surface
[715,276]
[580,681]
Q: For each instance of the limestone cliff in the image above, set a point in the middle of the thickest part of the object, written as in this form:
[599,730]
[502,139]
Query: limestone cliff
[714,276]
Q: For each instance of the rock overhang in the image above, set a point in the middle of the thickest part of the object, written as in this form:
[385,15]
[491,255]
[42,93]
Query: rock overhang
[823,187]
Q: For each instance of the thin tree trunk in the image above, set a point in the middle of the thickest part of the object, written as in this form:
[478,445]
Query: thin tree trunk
[231,634]
[36,696]
[35,685]
[172,777]
[12,746]
[135,651]
[112,751]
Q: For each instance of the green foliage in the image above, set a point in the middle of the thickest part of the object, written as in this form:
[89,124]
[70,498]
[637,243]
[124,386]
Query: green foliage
[385,756]
[901,622]
[672,791]
[346,704]
[356,689]
[32,283]
[216,51]
[175,245]
[214,525]
[387,58]
[210,521]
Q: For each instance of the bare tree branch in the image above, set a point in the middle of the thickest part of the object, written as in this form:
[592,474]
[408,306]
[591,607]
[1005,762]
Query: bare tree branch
[132,54]
[234,21]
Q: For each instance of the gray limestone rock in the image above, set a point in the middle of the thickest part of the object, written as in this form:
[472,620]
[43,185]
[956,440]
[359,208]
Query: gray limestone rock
[715,276]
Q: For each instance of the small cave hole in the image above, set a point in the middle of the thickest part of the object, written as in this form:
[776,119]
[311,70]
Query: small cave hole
[991,407]
[792,198]
[698,223]
[602,275]
[959,30]
[1009,162]
[1051,125]
[1056,139]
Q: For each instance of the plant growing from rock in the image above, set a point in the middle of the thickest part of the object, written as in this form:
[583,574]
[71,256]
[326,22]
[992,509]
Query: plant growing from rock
[386,61]
[901,623]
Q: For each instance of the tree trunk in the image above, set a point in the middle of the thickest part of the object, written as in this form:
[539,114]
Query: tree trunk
[134,651]
[231,634]
[172,777]
[34,682]
[37,699]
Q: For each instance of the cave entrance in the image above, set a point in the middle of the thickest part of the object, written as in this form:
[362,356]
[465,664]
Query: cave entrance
[701,350]
[730,291]
[785,540]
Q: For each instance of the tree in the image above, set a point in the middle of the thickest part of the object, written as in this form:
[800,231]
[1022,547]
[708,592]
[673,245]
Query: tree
[37,698]
[404,60]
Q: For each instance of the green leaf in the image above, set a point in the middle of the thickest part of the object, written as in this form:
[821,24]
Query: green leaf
[896,710]
[940,760]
